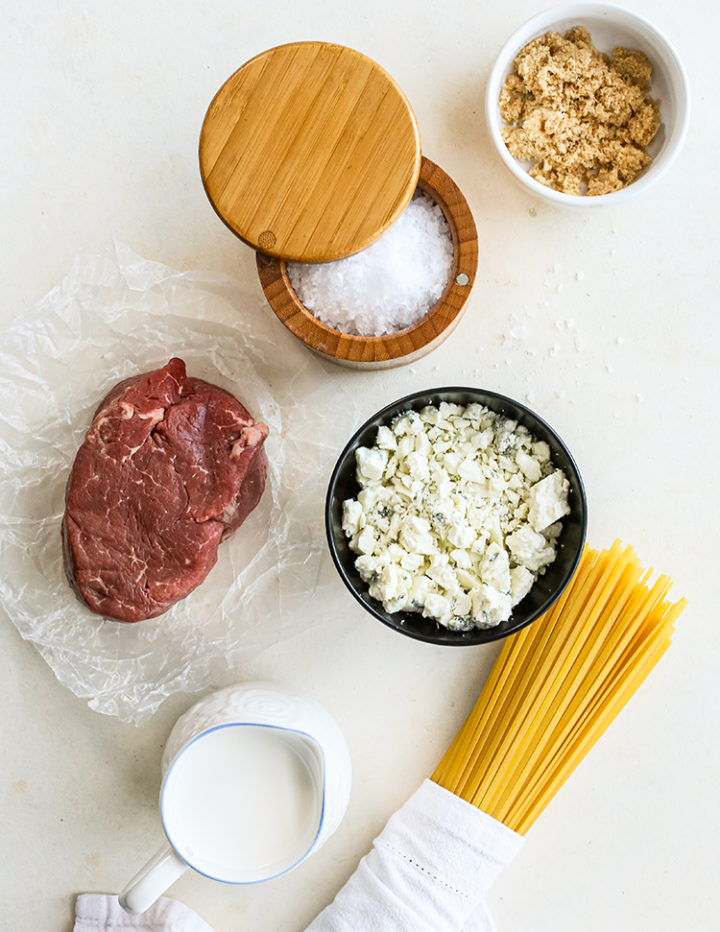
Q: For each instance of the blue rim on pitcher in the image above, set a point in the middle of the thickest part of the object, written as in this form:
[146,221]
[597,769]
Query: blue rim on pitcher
[321,820]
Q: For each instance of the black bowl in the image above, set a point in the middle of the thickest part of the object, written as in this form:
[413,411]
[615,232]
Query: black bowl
[547,588]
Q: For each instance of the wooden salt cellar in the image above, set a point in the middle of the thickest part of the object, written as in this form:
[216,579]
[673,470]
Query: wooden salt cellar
[402,346]
[309,152]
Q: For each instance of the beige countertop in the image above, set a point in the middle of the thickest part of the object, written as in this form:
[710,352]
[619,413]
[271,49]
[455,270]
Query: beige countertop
[103,106]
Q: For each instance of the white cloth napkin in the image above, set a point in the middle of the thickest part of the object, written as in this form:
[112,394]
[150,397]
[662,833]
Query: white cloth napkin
[99,912]
[427,872]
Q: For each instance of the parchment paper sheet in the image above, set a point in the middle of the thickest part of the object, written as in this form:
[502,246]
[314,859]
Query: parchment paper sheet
[115,315]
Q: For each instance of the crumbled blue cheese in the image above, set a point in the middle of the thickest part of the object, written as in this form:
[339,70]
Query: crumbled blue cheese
[548,500]
[458,514]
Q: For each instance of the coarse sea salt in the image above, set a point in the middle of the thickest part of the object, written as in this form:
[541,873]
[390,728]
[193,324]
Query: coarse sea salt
[388,286]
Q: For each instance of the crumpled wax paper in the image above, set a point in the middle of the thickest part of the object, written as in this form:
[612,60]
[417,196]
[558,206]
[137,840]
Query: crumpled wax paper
[116,315]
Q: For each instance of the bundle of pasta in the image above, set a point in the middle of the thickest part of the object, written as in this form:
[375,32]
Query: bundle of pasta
[557,685]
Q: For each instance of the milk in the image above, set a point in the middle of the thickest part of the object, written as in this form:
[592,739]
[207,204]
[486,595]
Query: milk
[242,803]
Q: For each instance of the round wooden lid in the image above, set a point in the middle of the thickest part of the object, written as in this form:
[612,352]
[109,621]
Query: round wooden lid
[309,152]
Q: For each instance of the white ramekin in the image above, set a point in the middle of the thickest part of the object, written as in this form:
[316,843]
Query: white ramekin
[608,26]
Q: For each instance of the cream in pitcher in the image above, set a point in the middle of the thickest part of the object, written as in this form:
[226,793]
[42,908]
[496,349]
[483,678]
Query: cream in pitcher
[255,779]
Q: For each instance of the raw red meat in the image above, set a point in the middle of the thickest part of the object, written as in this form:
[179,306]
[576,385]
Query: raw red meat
[170,467]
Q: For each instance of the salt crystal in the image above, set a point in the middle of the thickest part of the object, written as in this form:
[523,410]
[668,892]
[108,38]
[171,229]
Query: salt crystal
[639,397]
[557,267]
[579,276]
[388,286]
[610,368]
[620,340]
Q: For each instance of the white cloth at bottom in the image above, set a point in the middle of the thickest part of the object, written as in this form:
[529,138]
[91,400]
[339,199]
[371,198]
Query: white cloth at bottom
[99,912]
[427,872]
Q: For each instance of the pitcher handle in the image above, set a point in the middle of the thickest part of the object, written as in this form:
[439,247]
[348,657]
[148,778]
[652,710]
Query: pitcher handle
[152,880]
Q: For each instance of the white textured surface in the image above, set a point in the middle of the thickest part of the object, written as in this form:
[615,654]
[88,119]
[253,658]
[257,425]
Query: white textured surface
[605,321]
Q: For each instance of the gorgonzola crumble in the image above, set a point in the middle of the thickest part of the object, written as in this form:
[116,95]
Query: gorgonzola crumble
[457,515]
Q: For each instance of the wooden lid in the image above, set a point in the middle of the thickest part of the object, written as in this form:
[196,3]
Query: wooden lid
[309,152]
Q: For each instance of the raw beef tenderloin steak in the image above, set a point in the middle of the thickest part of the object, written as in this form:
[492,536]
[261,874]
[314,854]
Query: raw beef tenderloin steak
[170,467]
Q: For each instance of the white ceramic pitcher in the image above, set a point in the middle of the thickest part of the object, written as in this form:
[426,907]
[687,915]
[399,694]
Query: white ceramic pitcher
[255,778]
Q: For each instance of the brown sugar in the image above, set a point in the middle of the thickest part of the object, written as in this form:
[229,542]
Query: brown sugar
[583,118]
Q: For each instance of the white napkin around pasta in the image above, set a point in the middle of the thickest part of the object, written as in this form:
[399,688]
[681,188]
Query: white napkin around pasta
[427,872]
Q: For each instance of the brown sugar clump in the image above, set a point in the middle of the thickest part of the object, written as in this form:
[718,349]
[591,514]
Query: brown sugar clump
[581,117]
